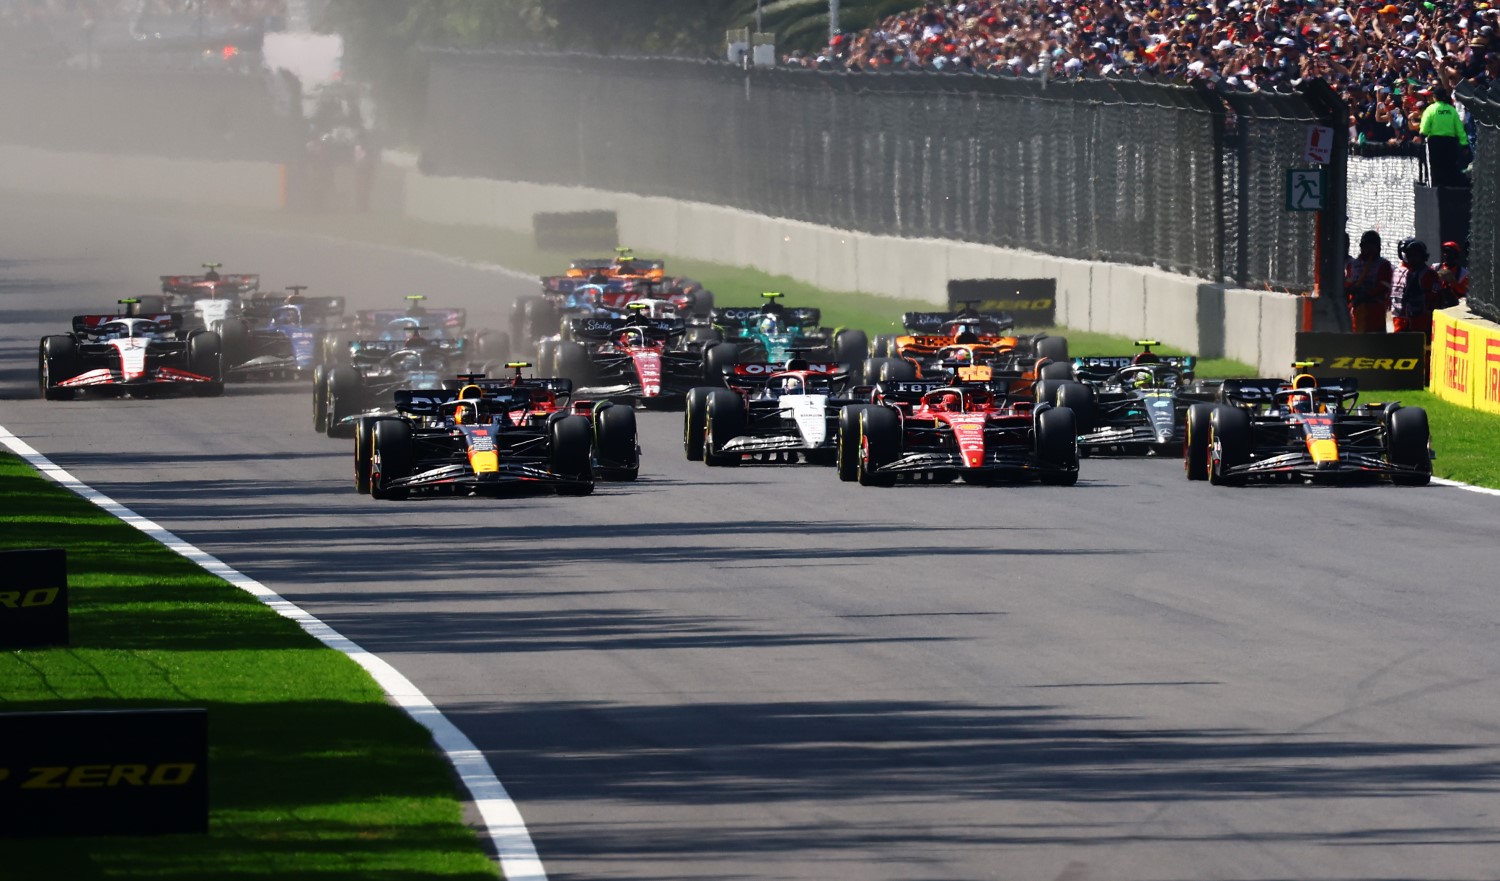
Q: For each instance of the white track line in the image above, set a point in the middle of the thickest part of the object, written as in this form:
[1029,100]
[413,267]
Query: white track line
[502,819]
[1443,481]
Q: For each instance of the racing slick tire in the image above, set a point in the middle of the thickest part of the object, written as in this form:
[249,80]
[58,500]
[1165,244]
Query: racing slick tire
[1047,368]
[573,362]
[883,346]
[320,398]
[541,320]
[344,391]
[879,444]
[491,345]
[336,349]
[364,440]
[897,370]
[718,357]
[55,360]
[1229,443]
[850,347]
[703,302]
[1195,440]
[847,442]
[205,358]
[518,326]
[234,341]
[1080,399]
[694,421]
[546,357]
[392,456]
[870,369]
[1057,446]
[1054,347]
[616,444]
[1044,390]
[572,454]
[724,421]
[1406,441]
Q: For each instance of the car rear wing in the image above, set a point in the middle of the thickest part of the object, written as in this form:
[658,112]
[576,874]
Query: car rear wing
[236,282]
[556,385]
[1271,390]
[802,316]
[263,302]
[910,391]
[756,374]
[88,324]
[919,322]
[1098,369]
[597,328]
[430,402]
[367,319]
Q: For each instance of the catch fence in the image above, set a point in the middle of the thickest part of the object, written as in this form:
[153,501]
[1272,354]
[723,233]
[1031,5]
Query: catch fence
[1483,104]
[1129,171]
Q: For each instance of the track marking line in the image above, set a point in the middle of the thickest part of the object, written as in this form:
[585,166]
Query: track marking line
[1456,484]
[502,819]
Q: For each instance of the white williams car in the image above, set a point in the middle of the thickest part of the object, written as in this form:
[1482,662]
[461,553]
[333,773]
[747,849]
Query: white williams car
[768,413]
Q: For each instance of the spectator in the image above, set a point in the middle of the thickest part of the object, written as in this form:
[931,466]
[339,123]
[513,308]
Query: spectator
[1367,280]
[1415,290]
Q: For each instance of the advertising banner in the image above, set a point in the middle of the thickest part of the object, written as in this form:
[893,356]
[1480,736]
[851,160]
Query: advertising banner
[1376,360]
[104,772]
[1452,360]
[1486,370]
[33,598]
[1032,301]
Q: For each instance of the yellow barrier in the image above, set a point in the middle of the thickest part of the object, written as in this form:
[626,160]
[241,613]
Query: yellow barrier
[1465,367]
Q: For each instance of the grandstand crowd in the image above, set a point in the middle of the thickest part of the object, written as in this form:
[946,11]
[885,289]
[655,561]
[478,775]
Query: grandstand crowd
[1384,58]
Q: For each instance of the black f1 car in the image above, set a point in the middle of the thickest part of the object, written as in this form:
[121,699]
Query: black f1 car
[376,368]
[129,354]
[1308,429]
[478,435]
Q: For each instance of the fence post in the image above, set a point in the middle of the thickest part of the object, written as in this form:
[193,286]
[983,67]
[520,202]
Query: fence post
[1332,112]
[1215,106]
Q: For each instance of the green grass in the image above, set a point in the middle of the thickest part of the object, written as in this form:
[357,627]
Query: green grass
[1464,439]
[313,775]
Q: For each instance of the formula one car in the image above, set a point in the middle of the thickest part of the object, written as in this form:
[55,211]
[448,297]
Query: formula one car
[278,339]
[129,354]
[1130,404]
[377,368]
[634,359]
[204,300]
[476,435]
[619,281]
[1307,429]
[980,430]
[451,324]
[935,338]
[768,413]
[774,334]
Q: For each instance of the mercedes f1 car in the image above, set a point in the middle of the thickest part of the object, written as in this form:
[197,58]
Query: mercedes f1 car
[768,413]
[979,430]
[129,354]
[1308,429]
[476,435]
[1130,404]
[635,359]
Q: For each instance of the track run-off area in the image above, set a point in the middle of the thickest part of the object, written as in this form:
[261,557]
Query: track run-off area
[764,673]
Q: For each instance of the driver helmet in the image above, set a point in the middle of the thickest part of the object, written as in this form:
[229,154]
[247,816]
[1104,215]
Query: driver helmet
[1141,379]
[961,355]
[465,412]
[769,323]
[791,385]
[631,337]
[1299,403]
[414,336]
[947,402]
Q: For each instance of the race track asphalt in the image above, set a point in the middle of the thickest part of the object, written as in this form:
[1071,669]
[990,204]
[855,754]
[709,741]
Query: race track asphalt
[763,673]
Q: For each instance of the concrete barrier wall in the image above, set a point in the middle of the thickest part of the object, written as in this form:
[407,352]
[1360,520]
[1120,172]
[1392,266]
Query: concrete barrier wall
[1257,327]
[239,184]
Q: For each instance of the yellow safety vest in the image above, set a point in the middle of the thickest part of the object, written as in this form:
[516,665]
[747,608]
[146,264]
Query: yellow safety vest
[1441,121]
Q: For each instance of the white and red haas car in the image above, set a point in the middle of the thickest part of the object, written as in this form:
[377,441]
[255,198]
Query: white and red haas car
[129,354]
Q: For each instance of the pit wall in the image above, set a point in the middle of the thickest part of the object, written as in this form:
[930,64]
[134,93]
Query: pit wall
[1465,361]
[1257,327]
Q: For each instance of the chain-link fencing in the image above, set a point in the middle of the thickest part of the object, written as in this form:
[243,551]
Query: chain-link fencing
[1382,179]
[1484,221]
[1109,170]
